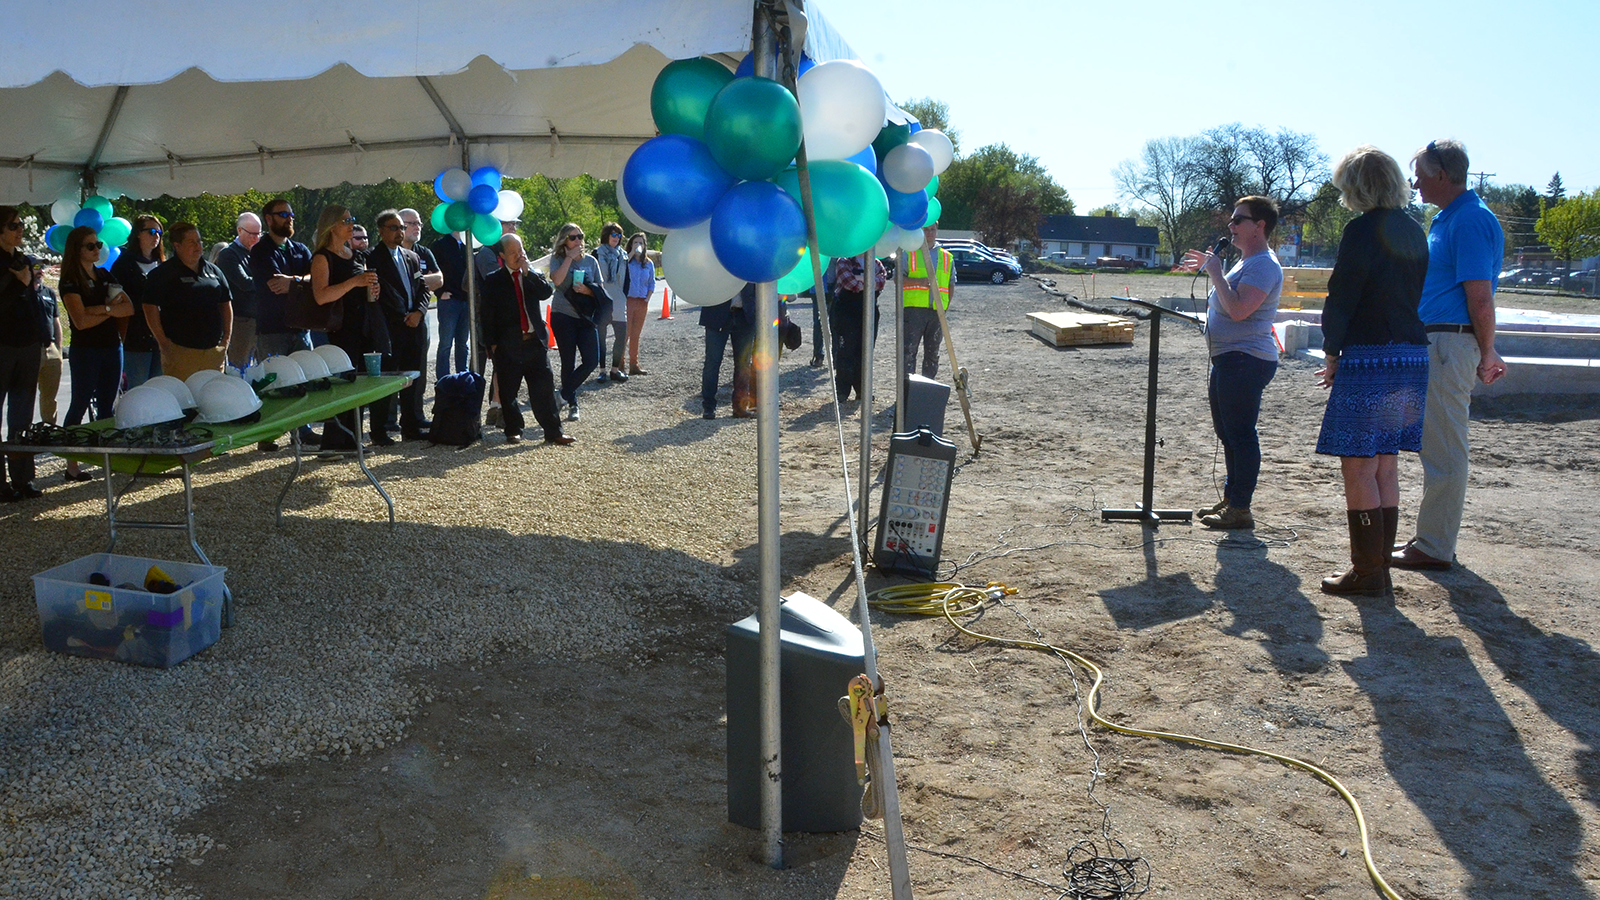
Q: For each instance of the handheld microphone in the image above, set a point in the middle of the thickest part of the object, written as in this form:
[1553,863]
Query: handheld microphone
[1222,246]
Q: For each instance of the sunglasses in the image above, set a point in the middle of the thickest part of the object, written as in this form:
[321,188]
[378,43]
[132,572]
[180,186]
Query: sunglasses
[93,245]
[256,233]
[574,237]
[282,214]
[358,237]
[154,232]
[394,226]
[14,225]
[1237,219]
[349,220]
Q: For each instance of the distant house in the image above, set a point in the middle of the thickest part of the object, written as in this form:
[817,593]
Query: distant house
[1092,237]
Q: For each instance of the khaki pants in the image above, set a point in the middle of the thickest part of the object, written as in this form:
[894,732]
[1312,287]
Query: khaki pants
[181,362]
[1452,371]
[49,382]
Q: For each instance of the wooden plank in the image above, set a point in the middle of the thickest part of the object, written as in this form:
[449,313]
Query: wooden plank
[1063,329]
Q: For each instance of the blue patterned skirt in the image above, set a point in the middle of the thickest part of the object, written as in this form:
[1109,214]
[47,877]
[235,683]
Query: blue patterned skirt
[1376,402]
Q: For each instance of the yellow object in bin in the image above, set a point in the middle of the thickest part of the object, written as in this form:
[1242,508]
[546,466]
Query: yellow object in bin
[158,582]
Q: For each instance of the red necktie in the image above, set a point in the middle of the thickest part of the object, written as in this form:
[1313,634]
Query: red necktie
[522,308]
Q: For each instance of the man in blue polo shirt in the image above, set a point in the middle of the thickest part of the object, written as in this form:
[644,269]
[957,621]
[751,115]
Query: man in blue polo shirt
[1465,249]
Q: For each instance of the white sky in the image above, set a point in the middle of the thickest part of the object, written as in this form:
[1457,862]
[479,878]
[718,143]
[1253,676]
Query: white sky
[1082,86]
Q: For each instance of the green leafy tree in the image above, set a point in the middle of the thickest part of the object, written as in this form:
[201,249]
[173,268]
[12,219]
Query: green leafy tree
[1555,192]
[1323,220]
[1572,229]
[1001,194]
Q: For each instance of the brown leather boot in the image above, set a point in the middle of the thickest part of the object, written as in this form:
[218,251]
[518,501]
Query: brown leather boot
[1368,575]
[1391,526]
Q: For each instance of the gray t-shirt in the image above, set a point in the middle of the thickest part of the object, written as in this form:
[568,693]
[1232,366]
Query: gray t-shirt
[1254,334]
[591,275]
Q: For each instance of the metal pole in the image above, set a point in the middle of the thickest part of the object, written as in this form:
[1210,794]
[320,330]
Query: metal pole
[475,358]
[864,392]
[900,342]
[764,52]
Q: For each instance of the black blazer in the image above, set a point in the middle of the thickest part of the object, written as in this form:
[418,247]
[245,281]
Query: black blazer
[391,295]
[502,325]
[723,317]
[1376,283]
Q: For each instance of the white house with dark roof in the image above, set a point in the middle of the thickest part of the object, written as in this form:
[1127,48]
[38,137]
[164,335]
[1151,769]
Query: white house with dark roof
[1092,237]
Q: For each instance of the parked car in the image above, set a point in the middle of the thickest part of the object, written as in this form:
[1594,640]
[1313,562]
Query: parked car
[1060,257]
[1125,263]
[1584,282]
[972,265]
[995,252]
[1510,276]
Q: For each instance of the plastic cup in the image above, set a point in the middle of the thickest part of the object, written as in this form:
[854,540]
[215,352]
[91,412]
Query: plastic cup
[577,276]
[374,363]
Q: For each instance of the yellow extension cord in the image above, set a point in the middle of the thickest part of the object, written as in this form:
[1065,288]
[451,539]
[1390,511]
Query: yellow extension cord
[951,600]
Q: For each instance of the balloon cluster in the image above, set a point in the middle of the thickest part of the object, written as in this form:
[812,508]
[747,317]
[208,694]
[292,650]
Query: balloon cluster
[720,181]
[474,203]
[94,213]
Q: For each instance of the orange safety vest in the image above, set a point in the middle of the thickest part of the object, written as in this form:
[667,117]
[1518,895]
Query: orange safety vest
[917,297]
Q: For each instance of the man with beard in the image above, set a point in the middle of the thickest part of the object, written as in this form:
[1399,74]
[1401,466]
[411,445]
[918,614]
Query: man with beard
[279,264]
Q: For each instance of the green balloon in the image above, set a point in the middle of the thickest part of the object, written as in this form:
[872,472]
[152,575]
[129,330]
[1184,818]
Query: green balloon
[101,204]
[458,216]
[486,228]
[682,95]
[437,218]
[800,277]
[935,209]
[849,203]
[890,137]
[933,188]
[116,231]
[753,128]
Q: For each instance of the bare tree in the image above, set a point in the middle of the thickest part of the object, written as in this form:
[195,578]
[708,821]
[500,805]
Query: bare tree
[1286,166]
[1163,179]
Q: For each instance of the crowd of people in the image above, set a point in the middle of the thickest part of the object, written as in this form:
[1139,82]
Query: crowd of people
[1408,327]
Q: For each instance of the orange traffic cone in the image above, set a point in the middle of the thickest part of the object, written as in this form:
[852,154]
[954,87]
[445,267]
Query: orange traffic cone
[547,329]
[666,303]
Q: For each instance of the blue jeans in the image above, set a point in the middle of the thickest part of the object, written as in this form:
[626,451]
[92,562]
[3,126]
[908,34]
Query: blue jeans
[575,338]
[744,340]
[96,372]
[453,333]
[139,367]
[1237,383]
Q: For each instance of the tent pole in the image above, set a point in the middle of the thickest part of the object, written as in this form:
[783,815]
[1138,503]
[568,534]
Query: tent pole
[764,52]
[475,360]
[869,305]
[900,342]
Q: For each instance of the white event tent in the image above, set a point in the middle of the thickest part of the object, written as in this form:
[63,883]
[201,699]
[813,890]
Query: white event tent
[173,97]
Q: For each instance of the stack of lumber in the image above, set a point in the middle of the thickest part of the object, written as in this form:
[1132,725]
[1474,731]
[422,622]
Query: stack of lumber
[1066,329]
[1306,282]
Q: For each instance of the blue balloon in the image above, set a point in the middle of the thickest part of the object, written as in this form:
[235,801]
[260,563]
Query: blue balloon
[487,175]
[111,256]
[673,181]
[747,66]
[90,218]
[483,198]
[907,210]
[866,159]
[757,231]
[916,127]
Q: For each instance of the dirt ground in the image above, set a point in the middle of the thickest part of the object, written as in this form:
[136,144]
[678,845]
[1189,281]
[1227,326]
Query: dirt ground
[1463,715]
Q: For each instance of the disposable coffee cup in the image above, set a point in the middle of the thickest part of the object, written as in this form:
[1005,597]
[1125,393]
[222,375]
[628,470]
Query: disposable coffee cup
[113,291]
[374,363]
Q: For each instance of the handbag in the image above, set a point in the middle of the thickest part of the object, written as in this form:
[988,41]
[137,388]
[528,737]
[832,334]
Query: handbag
[301,310]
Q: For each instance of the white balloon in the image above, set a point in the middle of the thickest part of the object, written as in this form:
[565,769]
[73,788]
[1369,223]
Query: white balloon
[510,206]
[842,106]
[634,217]
[456,184]
[938,146]
[62,211]
[886,245]
[692,269]
[908,238]
[908,168]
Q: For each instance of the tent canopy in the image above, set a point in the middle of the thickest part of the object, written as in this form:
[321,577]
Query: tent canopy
[165,97]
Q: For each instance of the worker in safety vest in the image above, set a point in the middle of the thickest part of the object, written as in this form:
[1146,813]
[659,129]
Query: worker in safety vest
[921,319]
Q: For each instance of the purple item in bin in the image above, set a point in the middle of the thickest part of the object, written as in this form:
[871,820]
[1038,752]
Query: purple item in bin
[167,619]
[374,363]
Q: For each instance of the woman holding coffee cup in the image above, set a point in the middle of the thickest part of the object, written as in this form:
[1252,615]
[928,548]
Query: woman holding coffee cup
[95,305]
[339,275]
[571,269]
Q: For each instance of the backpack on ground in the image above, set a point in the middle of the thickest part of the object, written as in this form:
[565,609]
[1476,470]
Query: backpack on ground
[457,409]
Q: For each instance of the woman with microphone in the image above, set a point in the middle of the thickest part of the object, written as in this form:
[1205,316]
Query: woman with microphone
[1244,355]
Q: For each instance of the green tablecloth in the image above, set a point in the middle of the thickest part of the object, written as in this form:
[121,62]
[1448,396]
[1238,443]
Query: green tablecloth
[277,417]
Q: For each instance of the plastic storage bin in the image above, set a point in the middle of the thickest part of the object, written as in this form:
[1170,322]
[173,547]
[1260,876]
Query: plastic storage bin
[820,651]
[126,624]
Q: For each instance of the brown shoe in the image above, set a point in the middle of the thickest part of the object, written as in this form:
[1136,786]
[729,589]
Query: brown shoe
[635,370]
[560,440]
[513,438]
[1229,519]
[1212,510]
[1412,558]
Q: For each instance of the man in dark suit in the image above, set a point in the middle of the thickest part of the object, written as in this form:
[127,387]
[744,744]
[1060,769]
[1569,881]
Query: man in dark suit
[515,334]
[403,299]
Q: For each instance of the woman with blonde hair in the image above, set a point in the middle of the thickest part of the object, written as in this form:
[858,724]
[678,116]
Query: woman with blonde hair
[575,333]
[95,306]
[1377,359]
[340,275]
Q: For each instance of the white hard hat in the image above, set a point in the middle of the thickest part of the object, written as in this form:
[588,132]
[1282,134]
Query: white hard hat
[337,360]
[179,391]
[198,380]
[227,400]
[145,405]
[312,364]
[288,371]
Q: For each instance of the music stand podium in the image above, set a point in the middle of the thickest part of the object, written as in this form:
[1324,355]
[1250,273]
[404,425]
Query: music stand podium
[1146,513]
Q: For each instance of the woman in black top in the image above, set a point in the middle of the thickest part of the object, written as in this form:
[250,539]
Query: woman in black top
[95,305]
[339,275]
[21,335]
[1375,345]
[141,355]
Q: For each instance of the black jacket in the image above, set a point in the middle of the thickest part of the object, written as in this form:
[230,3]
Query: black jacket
[502,325]
[392,297]
[724,317]
[19,305]
[1376,283]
